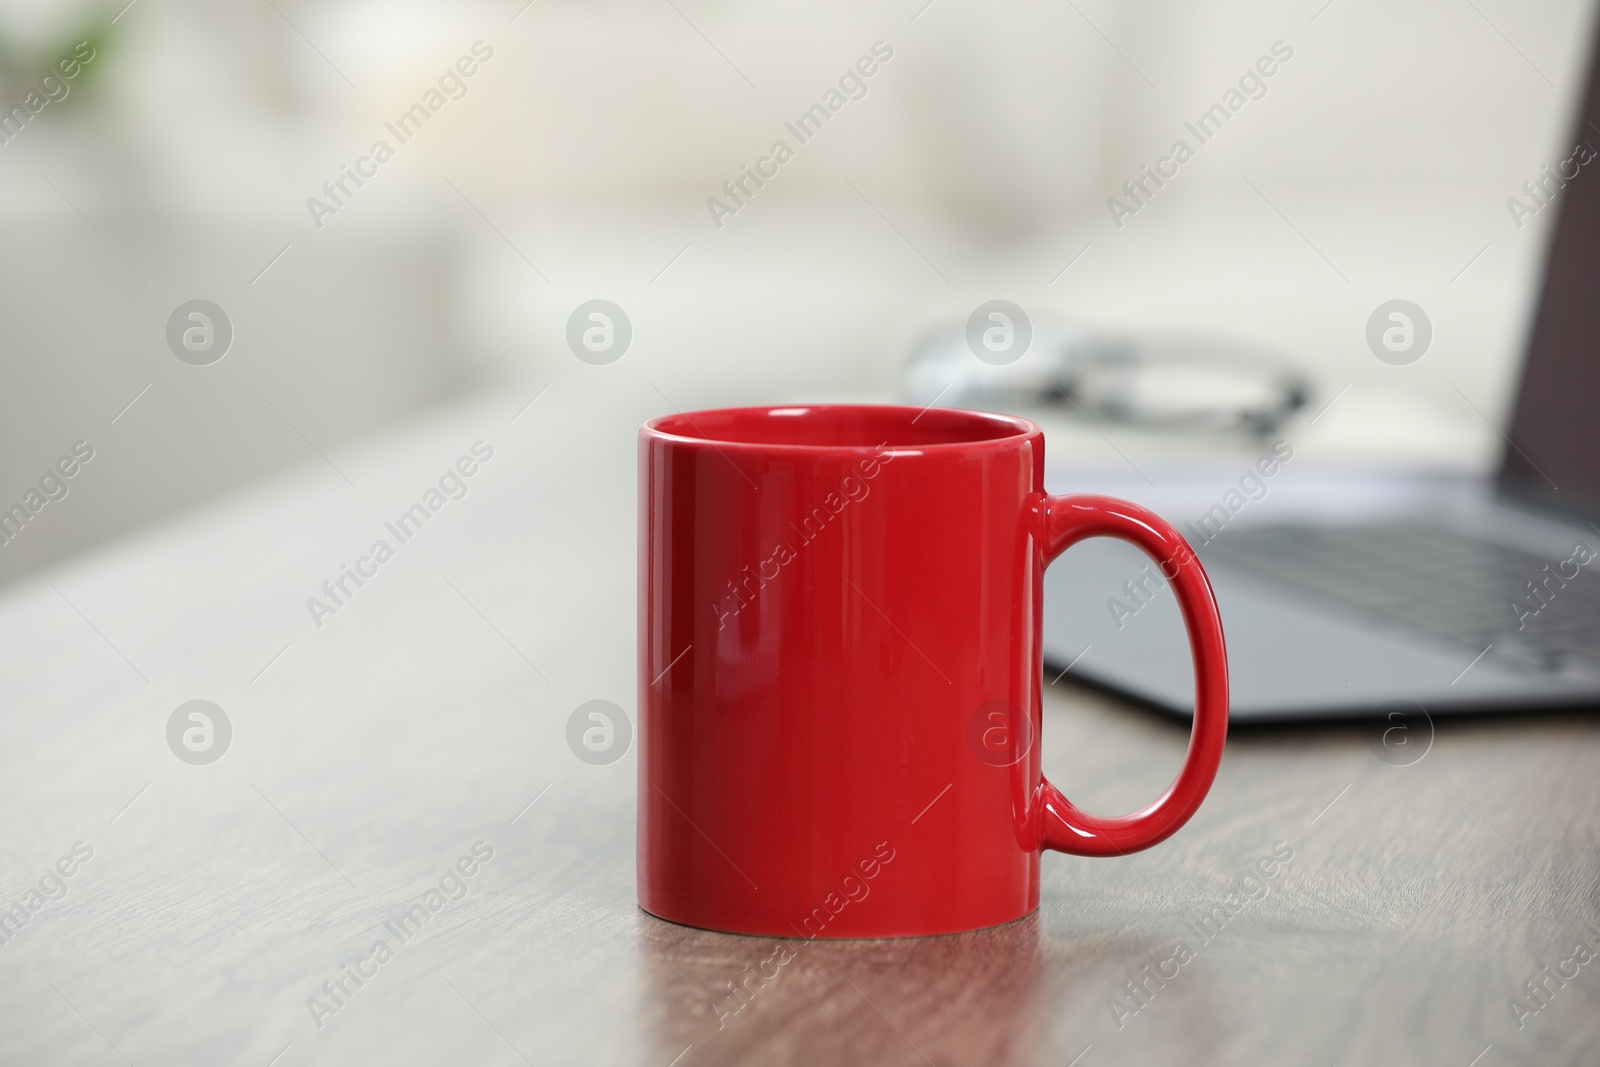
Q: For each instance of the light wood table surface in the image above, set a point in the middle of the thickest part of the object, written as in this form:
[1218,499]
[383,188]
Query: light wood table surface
[427,717]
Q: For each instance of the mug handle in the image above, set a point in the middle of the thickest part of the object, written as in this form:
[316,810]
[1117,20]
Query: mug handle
[1066,520]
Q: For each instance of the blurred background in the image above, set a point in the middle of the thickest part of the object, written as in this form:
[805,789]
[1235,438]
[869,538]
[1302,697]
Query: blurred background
[576,162]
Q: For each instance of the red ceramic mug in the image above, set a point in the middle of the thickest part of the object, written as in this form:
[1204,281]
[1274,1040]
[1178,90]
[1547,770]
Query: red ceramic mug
[839,670]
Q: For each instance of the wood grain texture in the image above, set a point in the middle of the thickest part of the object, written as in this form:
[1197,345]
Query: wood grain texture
[429,712]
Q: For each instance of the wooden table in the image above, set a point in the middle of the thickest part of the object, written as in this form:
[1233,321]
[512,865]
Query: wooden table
[426,718]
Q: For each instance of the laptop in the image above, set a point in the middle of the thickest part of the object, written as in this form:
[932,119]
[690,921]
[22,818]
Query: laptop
[1346,598]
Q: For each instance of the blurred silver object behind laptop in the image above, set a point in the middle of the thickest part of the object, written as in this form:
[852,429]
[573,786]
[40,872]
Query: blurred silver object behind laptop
[1154,381]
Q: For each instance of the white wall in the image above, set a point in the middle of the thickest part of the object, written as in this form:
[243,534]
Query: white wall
[579,164]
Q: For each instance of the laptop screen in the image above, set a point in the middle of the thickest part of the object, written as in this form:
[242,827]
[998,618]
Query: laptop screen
[1554,456]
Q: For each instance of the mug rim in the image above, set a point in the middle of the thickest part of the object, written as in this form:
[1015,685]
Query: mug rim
[1017,429]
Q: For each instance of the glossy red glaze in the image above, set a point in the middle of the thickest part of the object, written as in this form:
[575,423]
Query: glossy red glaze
[839,670]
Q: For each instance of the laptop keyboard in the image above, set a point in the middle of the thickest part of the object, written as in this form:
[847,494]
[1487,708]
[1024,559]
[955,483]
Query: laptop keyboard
[1455,588]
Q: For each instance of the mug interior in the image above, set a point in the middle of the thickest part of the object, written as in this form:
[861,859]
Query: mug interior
[842,426]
